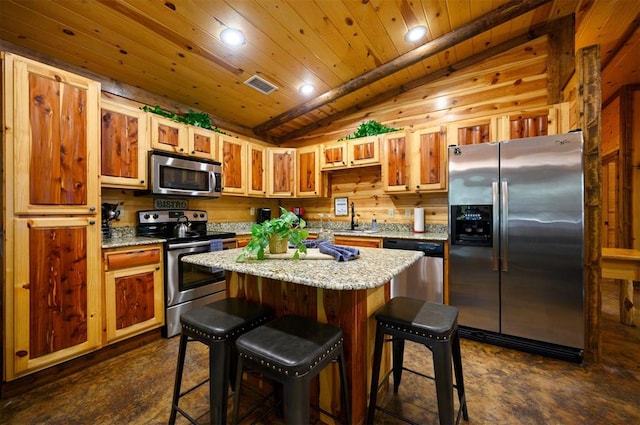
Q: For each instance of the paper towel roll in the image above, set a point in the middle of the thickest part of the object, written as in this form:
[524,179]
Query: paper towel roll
[418,220]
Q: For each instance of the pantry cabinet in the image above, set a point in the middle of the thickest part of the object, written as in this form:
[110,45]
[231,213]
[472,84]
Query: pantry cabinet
[134,291]
[51,246]
[233,155]
[281,163]
[309,184]
[256,166]
[124,142]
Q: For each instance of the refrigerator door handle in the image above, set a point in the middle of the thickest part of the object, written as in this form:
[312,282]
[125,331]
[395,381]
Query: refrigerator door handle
[504,231]
[496,240]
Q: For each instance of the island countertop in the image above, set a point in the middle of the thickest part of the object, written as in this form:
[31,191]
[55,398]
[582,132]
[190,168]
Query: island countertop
[374,268]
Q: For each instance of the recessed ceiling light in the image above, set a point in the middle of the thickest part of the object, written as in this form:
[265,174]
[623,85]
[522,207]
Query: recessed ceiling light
[415,33]
[307,89]
[232,37]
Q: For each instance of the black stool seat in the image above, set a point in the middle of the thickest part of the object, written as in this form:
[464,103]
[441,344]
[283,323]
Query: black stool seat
[436,327]
[292,350]
[414,316]
[217,325]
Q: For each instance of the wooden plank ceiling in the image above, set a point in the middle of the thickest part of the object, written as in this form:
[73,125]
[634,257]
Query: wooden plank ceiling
[353,51]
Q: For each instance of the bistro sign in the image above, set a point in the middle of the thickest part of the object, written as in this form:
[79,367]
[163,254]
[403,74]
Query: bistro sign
[170,204]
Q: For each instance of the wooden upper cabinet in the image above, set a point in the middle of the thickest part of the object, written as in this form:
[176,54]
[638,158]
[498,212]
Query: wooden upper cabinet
[472,132]
[168,135]
[55,118]
[308,172]
[202,143]
[334,155]
[281,163]
[56,309]
[396,163]
[429,159]
[351,153]
[233,155]
[257,178]
[533,123]
[124,144]
[364,151]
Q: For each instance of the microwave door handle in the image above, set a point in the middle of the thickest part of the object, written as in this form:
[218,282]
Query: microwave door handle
[212,180]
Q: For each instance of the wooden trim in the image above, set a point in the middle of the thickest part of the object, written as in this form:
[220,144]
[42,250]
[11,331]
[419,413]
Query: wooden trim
[589,105]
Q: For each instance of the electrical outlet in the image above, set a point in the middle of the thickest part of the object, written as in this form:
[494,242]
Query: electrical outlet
[252,211]
[120,208]
[407,212]
[390,213]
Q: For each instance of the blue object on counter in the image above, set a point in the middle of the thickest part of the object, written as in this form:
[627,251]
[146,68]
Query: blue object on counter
[215,245]
[340,253]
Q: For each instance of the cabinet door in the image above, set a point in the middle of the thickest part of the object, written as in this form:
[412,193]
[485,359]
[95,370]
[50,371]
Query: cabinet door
[428,160]
[472,132]
[356,241]
[167,135]
[334,155]
[256,166]
[202,143]
[56,168]
[134,291]
[282,169]
[53,302]
[308,172]
[364,151]
[233,155]
[530,123]
[124,144]
[395,166]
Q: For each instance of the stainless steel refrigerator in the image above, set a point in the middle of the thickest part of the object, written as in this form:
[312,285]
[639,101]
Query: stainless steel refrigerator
[516,241]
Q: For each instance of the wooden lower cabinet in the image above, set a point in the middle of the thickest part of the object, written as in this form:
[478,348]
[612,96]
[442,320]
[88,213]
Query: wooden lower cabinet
[358,241]
[134,291]
[52,294]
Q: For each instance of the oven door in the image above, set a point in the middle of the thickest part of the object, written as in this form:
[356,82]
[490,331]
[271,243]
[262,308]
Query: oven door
[186,282]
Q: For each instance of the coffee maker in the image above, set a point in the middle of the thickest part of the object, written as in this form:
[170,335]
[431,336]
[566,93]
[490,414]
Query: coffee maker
[263,215]
[109,213]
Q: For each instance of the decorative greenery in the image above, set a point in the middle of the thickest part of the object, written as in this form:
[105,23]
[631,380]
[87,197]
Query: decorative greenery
[369,128]
[198,119]
[288,225]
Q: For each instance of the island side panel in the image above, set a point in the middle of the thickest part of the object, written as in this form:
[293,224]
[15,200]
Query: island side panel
[352,310]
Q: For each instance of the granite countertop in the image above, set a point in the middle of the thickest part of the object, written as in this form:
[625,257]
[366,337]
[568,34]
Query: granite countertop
[129,240]
[374,268]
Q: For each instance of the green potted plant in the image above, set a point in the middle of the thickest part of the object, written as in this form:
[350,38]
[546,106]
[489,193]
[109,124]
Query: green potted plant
[276,234]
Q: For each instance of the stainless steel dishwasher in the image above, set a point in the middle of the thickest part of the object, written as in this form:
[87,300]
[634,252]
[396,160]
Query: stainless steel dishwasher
[424,279]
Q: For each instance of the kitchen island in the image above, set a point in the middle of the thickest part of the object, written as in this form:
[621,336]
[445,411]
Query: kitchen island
[345,294]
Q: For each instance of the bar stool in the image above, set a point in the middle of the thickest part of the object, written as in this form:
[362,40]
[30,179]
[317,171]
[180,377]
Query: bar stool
[292,350]
[436,327]
[216,325]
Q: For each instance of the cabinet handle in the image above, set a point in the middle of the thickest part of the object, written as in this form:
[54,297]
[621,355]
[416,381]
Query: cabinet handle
[157,268]
[141,181]
[92,209]
[193,152]
[92,222]
[417,186]
[181,149]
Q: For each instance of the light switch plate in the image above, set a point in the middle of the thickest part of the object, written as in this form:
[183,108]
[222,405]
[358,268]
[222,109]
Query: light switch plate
[121,209]
[252,211]
[390,213]
[407,212]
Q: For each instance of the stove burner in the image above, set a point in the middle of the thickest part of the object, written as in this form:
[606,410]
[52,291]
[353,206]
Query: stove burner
[161,224]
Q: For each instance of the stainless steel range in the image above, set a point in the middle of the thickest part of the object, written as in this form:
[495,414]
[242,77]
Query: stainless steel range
[186,285]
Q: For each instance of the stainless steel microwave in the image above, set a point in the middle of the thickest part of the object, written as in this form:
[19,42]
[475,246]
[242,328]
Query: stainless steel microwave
[175,175]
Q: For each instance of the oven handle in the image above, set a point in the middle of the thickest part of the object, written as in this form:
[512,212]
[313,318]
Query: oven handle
[188,244]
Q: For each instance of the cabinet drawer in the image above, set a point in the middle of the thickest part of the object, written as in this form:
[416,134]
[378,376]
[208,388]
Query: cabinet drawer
[134,258]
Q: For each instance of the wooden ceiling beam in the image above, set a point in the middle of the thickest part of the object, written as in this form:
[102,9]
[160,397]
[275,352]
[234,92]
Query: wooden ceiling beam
[496,17]
[540,31]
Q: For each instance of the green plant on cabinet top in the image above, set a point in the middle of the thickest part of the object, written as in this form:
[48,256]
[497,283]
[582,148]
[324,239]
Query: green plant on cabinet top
[287,226]
[198,119]
[369,128]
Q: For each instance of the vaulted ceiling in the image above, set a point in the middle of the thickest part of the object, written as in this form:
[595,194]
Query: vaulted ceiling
[353,51]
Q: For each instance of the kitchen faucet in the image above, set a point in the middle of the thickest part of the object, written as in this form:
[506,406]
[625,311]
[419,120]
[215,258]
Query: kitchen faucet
[354,223]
